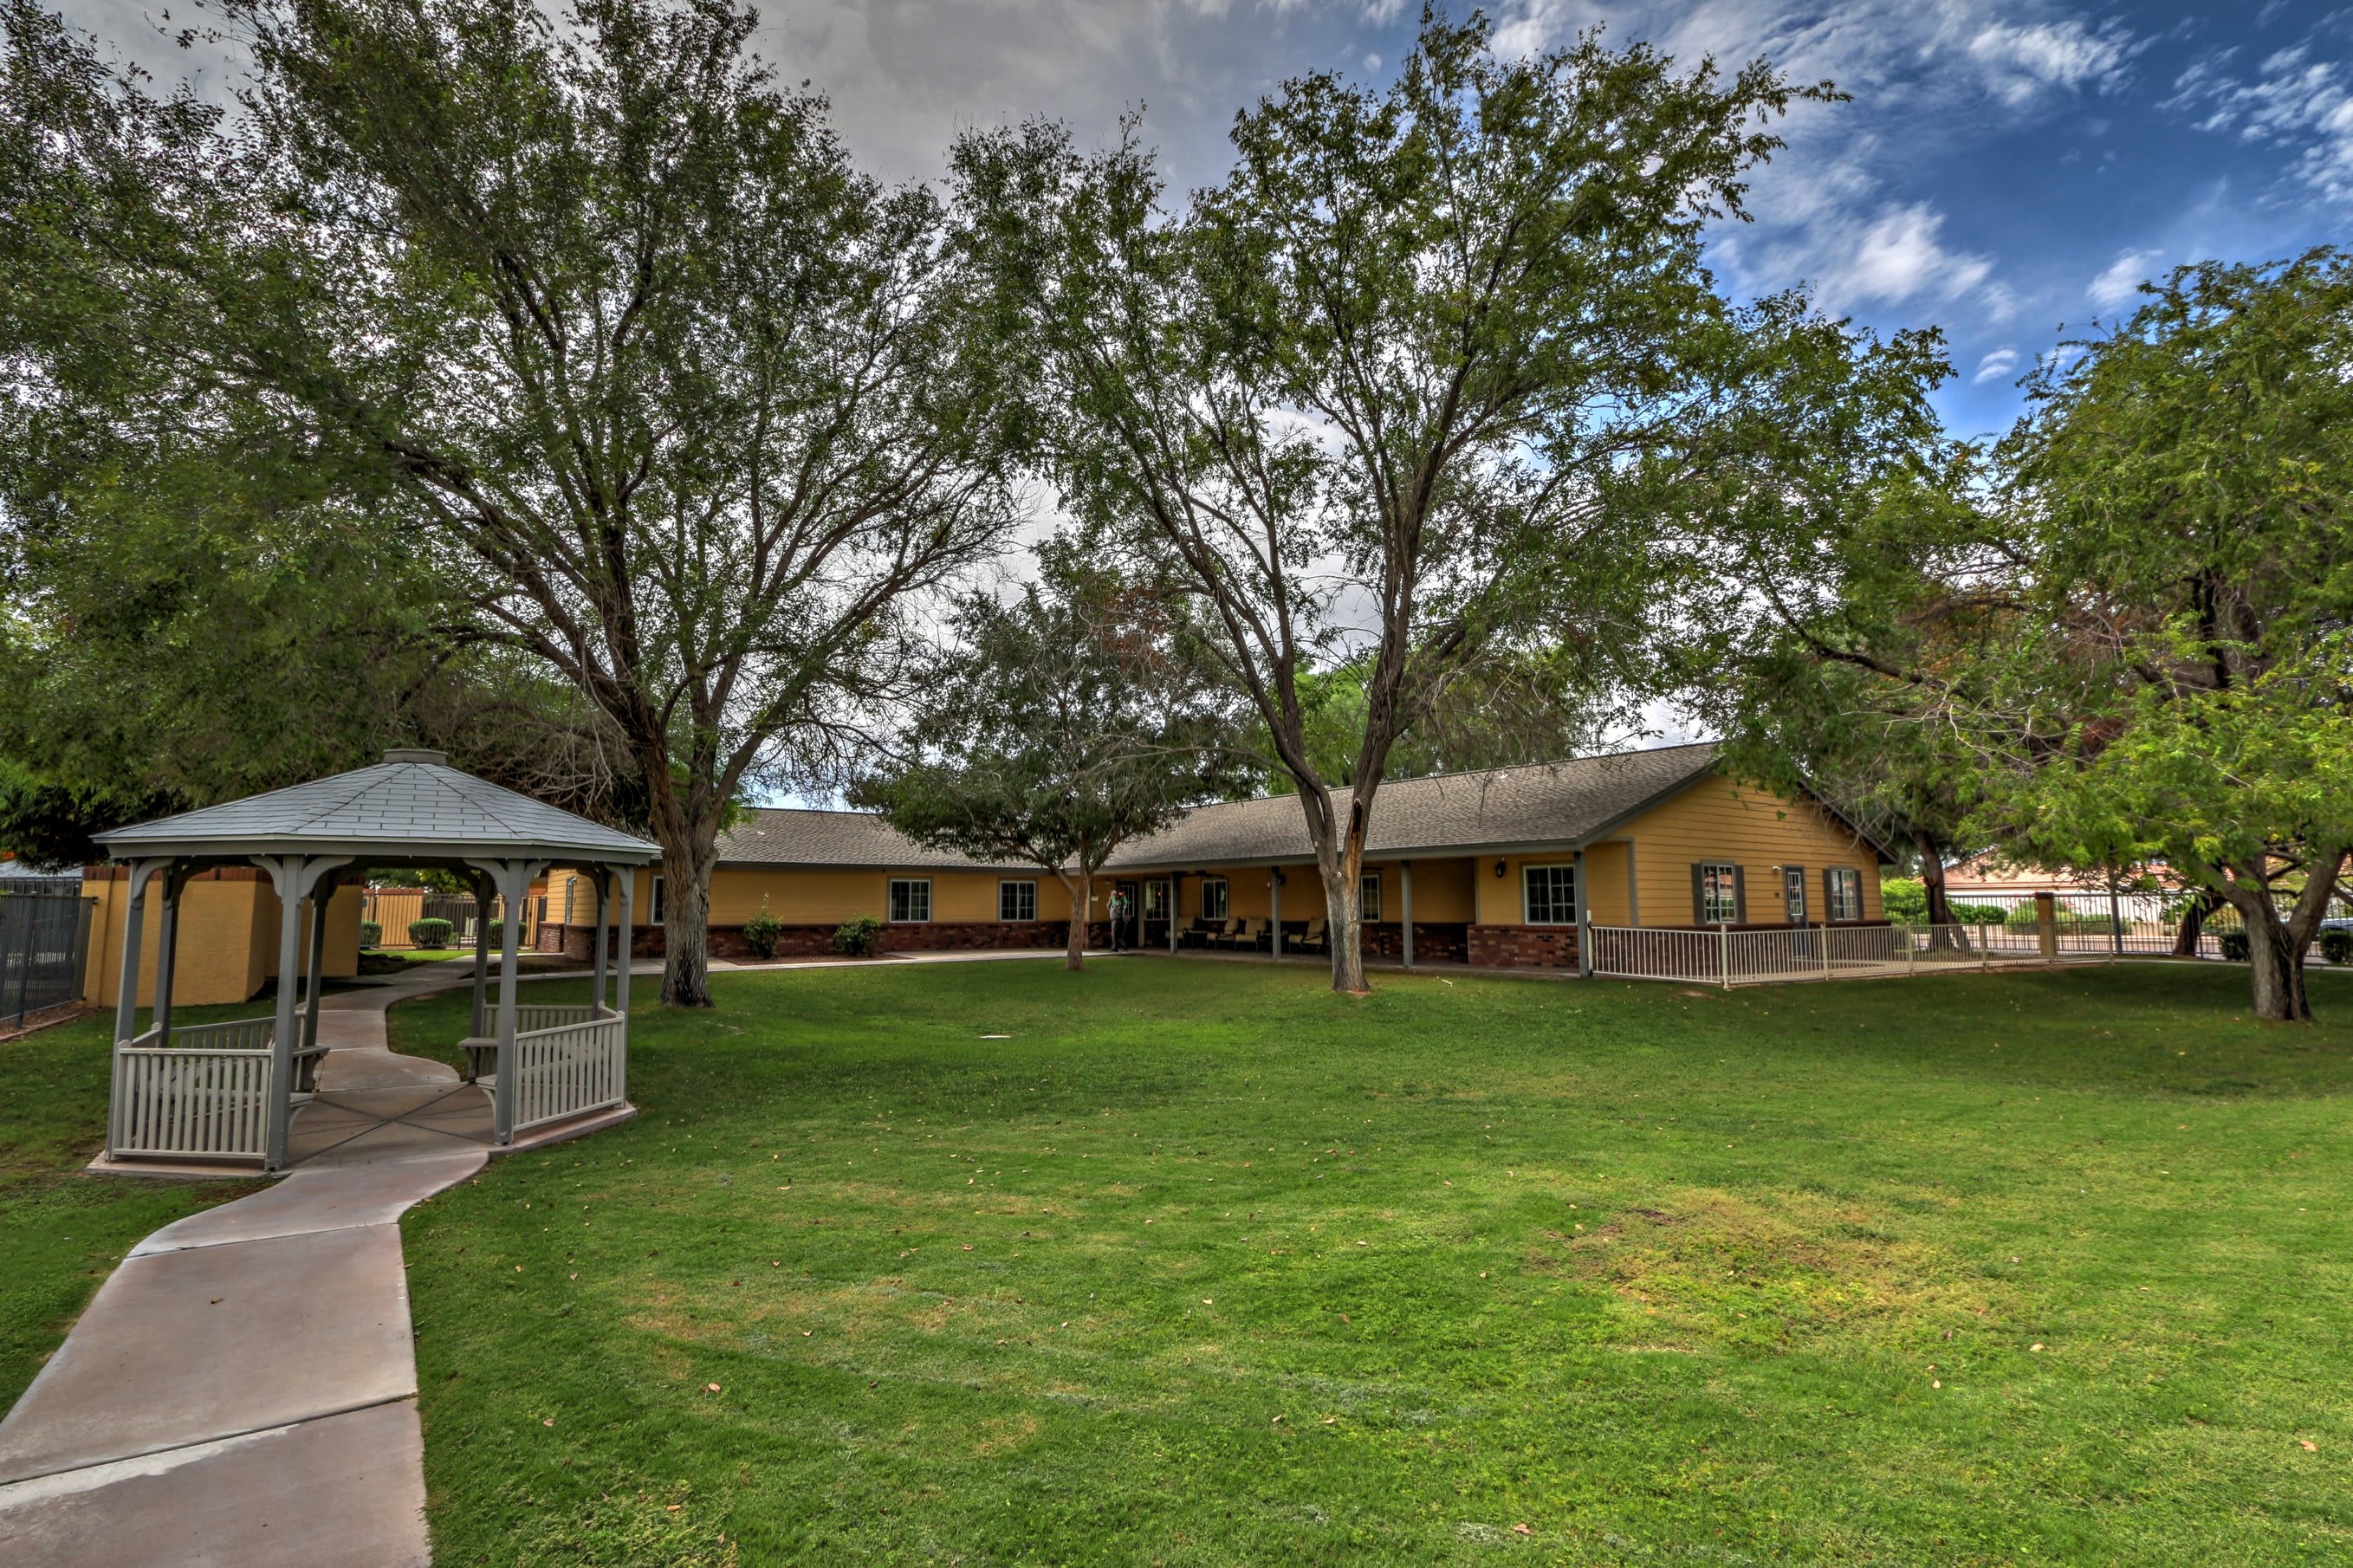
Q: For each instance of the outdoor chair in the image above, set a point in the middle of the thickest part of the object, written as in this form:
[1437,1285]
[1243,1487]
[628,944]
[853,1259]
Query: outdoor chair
[1228,934]
[1253,936]
[1315,938]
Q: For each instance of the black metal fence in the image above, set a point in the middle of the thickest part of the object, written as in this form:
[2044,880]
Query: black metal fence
[44,943]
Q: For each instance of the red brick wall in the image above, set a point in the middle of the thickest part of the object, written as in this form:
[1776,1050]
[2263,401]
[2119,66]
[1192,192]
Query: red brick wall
[1519,947]
[1435,941]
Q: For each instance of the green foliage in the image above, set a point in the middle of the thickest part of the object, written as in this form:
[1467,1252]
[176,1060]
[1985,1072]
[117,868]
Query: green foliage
[434,933]
[761,932]
[2235,946]
[859,938]
[2337,945]
[371,934]
[1905,899]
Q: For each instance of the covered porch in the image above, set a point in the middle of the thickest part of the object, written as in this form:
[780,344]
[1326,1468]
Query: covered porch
[288,1086]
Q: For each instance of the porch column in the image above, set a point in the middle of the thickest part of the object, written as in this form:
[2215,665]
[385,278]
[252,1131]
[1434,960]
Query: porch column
[167,952]
[482,953]
[1584,921]
[1405,908]
[1172,914]
[134,933]
[604,916]
[1274,897]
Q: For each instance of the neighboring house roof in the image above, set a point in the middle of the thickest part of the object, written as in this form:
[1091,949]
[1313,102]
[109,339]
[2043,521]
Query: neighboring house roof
[1543,804]
[849,840]
[412,802]
[1989,873]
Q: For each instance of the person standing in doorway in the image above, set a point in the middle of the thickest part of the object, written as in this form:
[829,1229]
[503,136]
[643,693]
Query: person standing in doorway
[1119,908]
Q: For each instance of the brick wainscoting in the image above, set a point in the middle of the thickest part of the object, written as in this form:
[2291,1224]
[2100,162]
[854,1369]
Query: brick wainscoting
[1520,947]
[1434,941]
[817,941]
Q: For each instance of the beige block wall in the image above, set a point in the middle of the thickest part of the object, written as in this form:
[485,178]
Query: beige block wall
[229,939]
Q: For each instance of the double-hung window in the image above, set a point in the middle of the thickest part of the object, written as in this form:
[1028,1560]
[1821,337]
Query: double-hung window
[1719,892]
[1213,898]
[1017,901]
[910,899]
[1368,897]
[1793,892]
[1549,895]
[1844,884]
[1155,900]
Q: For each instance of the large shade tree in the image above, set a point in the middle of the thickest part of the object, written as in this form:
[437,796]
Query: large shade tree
[1066,723]
[1398,396]
[682,408]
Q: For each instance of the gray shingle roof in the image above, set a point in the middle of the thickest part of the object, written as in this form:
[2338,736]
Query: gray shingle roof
[405,802]
[1549,803]
[781,836]
[1498,808]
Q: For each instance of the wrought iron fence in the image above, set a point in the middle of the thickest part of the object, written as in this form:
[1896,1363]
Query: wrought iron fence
[44,940]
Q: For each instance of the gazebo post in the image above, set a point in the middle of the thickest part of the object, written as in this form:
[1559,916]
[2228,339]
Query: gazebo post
[167,950]
[134,933]
[481,950]
[511,880]
[628,879]
[294,875]
[314,980]
[604,879]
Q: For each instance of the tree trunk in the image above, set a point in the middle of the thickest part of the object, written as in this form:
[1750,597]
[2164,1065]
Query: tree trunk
[2193,925]
[1075,950]
[1944,930]
[686,866]
[2276,962]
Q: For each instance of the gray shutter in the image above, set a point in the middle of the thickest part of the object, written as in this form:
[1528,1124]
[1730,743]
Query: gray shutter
[1699,897]
[1739,895]
[1829,896]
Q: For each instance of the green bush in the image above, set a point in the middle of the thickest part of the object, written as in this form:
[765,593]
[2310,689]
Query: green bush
[434,933]
[860,938]
[371,934]
[760,933]
[2337,946]
[2234,946]
[1905,899]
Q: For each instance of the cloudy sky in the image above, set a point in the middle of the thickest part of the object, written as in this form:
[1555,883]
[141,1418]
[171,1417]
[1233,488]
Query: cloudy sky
[2008,169]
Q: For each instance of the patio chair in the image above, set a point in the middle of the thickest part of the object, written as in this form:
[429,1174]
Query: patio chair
[1315,938]
[1227,933]
[1251,937]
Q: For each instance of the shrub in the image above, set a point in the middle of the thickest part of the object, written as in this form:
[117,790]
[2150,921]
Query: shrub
[859,938]
[1905,899]
[371,934]
[434,933]
[2234,946]
[760,933]
[2337,946]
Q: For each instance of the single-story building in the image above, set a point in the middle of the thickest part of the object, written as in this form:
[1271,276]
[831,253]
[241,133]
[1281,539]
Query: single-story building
[1494,867]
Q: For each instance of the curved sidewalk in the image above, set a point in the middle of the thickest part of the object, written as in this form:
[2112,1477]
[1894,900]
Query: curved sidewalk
[243,1390]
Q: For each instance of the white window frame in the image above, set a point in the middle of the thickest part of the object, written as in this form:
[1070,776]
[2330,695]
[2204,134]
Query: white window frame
[1719,888]
[1794,897]
[571,885]
[1528,886]
[1368,897]
[654,903]
[891,901]
[1845,893]
[1156,899]
[1008,884]
[1224,899]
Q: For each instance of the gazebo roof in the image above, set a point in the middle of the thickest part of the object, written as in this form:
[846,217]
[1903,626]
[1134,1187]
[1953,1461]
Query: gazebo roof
[412,805]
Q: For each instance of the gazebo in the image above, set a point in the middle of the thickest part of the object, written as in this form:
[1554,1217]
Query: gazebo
[227,1091]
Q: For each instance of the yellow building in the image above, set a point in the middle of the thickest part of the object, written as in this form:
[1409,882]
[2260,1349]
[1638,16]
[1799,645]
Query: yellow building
[1499,868]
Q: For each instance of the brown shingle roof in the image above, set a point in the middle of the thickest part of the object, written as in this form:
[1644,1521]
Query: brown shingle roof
[1543,804]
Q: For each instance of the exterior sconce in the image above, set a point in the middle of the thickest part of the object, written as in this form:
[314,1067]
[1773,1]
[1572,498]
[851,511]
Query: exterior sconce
[1279,881]
[1500,869]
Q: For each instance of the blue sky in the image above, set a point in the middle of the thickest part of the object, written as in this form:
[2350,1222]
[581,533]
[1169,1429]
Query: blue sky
[2006,170]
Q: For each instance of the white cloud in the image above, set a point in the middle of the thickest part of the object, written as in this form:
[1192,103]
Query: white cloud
[2121,279]
[2293,100]
[1898,256]
[2021,62]
[1995,365]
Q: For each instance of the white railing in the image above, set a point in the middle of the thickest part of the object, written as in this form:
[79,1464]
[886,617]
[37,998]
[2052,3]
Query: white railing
[569,1069]
[532,1017]
[235,1035]
[1720,956]
[201,1103]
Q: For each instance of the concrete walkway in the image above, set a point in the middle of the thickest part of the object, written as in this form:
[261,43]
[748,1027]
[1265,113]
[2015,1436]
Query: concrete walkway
[243,1390]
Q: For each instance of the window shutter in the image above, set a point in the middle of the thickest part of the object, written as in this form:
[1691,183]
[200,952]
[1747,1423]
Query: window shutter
[1699,897]
[1739,895]
[1830,895]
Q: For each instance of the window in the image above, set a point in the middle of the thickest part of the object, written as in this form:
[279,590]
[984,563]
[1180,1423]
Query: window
[543,909]
[1551,895]
[1844,884]
[1793,892]
[1155,900]
[1015,901]
[1213,898]
[656,918]
[1718,885]
[571,885]
[1368,897]
[910,899]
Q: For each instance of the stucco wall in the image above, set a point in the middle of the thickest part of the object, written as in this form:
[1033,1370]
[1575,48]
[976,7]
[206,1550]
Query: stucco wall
[229,936]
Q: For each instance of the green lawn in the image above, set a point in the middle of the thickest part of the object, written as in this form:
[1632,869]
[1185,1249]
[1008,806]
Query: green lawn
[61,1230]
[1206,1266]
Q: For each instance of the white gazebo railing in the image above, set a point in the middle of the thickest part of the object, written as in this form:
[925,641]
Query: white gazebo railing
[203,1095]
[569,1069]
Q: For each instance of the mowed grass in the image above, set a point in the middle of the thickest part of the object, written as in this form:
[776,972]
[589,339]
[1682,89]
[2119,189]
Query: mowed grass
[62,1230]
[1203,1265]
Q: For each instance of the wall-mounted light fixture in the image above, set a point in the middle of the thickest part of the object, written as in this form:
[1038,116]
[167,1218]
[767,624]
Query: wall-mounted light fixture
[1279,881]
[1500,869]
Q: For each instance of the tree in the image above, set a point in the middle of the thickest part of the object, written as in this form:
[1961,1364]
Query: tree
[680,406]
[1063,725]
[1383,399]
